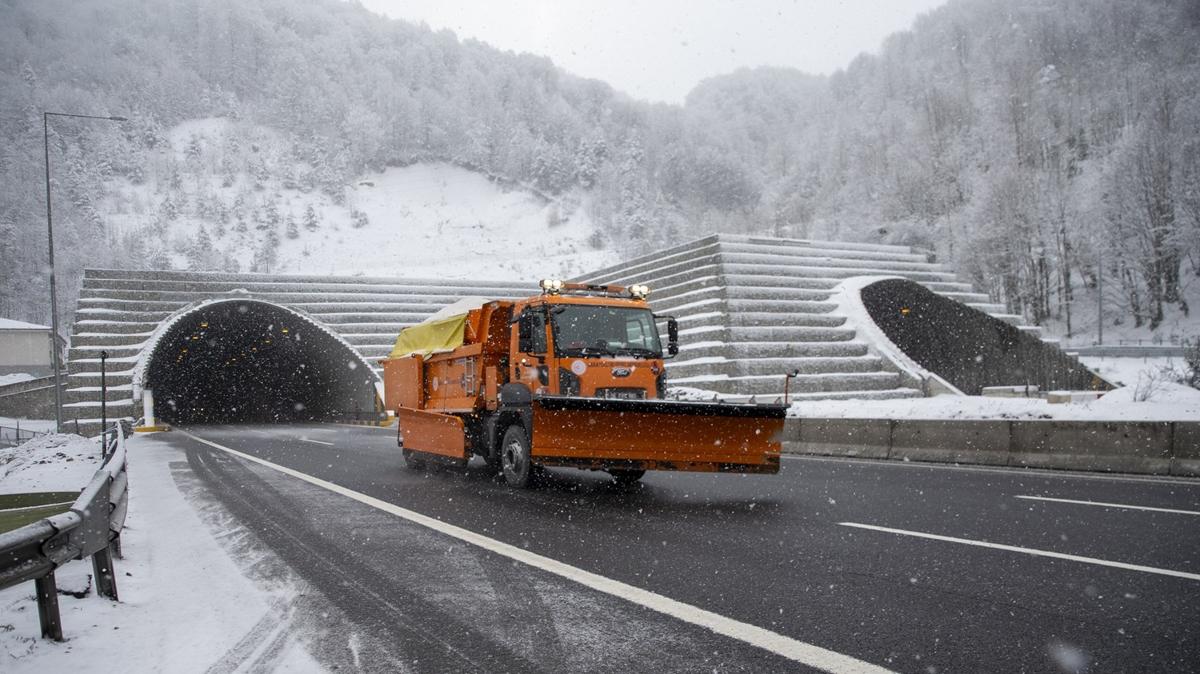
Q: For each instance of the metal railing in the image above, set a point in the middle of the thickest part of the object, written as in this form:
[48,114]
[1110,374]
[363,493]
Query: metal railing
[11,436]
[91,528]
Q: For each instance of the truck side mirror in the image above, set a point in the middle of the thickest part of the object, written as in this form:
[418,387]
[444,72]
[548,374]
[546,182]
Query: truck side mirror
[672,336]
[525,333]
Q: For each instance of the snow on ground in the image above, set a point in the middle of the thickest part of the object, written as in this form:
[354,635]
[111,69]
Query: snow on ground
[15,378]
[431,220]
[1176,326]
[185,606]
[52,462]
[1128,371]
[1160,402]
[441,221]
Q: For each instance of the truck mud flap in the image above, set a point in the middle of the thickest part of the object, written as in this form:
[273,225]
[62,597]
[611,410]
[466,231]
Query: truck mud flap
[432,433]
[657,434]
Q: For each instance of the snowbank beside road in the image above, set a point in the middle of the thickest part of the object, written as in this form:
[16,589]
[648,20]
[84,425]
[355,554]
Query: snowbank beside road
[54,462]
[185,606]
[1148,401]
[1168,402]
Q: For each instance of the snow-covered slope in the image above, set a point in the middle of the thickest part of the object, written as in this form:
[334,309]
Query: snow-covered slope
[261,210]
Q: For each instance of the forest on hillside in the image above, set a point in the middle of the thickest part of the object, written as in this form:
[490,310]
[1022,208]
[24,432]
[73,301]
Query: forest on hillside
[1036,145]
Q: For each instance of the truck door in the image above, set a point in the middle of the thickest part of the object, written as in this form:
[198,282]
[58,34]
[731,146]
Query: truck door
[530,365]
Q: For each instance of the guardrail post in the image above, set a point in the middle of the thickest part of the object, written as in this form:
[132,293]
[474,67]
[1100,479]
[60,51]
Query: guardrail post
[106,580]
[47,601]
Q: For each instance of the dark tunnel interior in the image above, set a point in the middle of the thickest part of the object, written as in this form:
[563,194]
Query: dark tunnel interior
[249,361]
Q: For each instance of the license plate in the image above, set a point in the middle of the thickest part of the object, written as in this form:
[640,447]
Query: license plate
[621,393]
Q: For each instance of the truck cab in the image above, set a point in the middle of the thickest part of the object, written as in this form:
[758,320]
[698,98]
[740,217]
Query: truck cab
[589,341]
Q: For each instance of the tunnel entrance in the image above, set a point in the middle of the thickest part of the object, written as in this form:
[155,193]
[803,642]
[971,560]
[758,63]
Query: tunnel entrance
[249,361]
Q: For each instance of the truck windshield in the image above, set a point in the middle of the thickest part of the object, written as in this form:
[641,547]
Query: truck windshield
[582,330]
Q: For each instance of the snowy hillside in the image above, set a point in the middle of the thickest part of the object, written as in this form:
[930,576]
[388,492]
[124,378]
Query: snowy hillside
[210,200]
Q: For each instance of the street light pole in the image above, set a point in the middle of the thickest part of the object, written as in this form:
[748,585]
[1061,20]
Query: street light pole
[56,358]
[1099,297]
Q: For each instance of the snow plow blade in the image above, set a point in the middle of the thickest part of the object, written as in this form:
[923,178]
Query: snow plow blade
[431,433]
[604,433]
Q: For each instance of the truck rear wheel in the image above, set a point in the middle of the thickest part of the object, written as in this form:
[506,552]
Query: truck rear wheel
[515,459]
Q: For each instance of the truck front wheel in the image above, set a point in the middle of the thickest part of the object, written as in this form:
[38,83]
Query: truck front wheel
[515,459]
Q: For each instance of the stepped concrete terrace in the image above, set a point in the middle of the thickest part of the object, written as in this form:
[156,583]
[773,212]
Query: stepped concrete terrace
[752,308]
[123,312]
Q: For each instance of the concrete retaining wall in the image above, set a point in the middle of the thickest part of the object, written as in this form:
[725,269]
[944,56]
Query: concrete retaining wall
[31,399]
[1151,447]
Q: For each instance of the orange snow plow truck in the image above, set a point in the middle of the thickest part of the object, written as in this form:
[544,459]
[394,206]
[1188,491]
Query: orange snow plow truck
[571,377]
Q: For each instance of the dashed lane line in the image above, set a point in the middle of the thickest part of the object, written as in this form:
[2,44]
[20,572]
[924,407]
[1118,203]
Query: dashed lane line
[1103,504]
[1029,551]
[319,442]
[792,649]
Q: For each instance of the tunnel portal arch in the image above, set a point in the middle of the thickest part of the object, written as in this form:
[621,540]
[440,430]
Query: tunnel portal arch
[247,360]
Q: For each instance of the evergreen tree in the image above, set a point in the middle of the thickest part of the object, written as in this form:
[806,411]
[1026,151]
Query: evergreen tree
[310,219]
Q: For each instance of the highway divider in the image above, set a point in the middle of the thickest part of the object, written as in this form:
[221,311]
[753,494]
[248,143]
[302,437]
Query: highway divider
[1148,447]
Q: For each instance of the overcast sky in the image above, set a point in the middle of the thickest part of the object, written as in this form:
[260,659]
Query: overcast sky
[659,49]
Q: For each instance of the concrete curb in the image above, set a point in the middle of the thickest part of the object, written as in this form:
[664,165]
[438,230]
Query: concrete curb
[1145,447]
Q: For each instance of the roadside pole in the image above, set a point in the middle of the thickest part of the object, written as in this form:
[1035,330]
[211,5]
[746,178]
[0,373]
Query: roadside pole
[103,404]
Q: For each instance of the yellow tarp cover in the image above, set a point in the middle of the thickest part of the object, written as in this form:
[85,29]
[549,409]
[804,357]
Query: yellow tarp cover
[444,334]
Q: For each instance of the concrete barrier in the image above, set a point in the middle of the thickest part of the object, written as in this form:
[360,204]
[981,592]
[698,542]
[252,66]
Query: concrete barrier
[1185,448]
[1130,447]
[867,438]
[1158,448]
[951,440]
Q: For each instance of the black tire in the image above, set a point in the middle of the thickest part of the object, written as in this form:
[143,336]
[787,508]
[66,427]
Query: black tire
[626,475]
[412,460]
[515,459]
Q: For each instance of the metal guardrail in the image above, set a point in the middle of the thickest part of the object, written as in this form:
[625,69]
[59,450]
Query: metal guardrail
[92,527]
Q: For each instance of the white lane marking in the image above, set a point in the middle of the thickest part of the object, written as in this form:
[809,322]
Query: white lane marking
[319,442]
[792,649]
[1029,551]
[1110,505]
[1011,470]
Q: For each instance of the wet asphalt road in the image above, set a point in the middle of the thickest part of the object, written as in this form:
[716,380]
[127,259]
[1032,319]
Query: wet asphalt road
[788,553]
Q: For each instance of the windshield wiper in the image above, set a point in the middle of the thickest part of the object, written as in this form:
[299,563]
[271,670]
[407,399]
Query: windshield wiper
[587,351]
[640,351]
